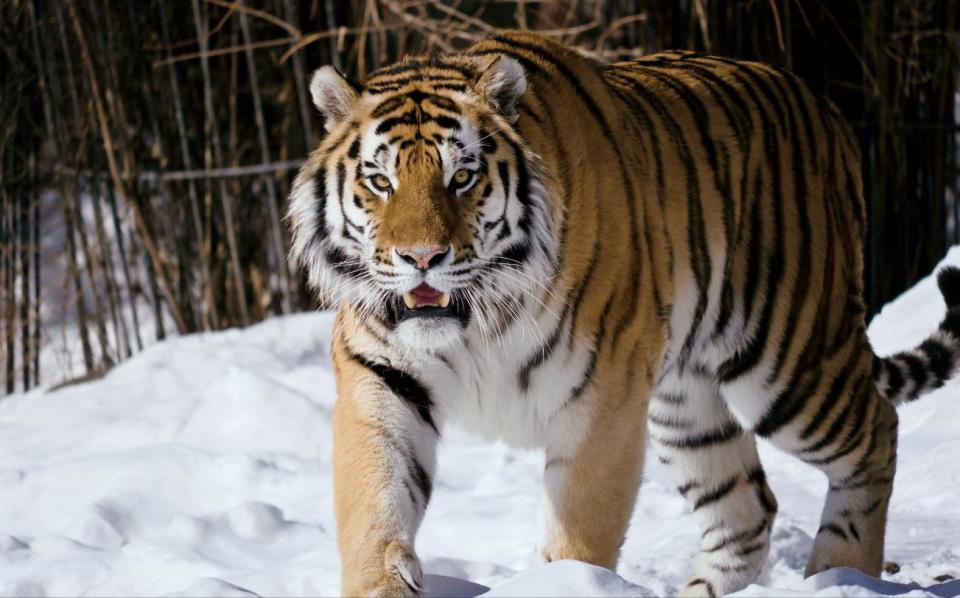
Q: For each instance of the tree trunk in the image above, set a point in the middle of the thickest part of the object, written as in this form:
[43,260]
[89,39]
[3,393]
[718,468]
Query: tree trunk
[121,333]
[35,233]
[25,254]
[6,306]
[125,265]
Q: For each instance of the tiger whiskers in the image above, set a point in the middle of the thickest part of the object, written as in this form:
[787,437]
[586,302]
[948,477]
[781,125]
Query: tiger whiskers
[511,306]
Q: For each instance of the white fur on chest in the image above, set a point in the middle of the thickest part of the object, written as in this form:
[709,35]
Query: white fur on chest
[477,387]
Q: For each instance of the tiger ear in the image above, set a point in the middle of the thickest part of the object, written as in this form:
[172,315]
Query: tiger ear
[502,83]
[333,95]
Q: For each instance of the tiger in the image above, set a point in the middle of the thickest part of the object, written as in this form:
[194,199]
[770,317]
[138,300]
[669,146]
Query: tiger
[588,258]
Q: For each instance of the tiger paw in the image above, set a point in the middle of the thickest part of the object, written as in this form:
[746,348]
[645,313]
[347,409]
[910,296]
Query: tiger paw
[697,588]
[400,575]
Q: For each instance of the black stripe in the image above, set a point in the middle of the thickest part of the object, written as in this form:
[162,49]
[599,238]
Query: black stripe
[542,353]
[421,479]
[341,188]
[747,550]
[728,432]
[387,124]
[523,185]
[717,493]
[789,403]
[743,536]
[849,400]
[668,422]
[405,386]
[702,582]
[579,291]
[588,372]
[755,252]
[341,194]
[853,531]
[503,170]
[387,106]
[832,398]
[918,372]
[320,193]
[833,528]
[410,494]
[845,450]
[512,256]
[674,398]
[895,379]
[378,335]
[415,65]
[875,481]
[869,509]
[435,83]
[354,150]
[939,360]
[715,527]
[731,568]
[855,437]
[758,478]
[344,264]
[444,103]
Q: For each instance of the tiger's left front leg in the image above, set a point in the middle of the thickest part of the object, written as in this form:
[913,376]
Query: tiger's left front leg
[590,485]
[384,457]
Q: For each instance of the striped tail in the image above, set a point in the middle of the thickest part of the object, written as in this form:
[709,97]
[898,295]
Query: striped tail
[908,375]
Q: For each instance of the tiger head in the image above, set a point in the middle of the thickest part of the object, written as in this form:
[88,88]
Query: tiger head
[423,205]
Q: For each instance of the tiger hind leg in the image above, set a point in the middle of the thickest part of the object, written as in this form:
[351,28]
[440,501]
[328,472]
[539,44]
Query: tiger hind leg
[860,472]
[716,468]
[851,436]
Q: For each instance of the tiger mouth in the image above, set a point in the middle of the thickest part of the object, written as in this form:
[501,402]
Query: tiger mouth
[426,296]
[425,302]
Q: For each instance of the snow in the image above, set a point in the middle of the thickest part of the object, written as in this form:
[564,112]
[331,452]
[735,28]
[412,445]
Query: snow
[202,467]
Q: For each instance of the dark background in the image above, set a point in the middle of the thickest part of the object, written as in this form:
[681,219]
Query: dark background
[146,147]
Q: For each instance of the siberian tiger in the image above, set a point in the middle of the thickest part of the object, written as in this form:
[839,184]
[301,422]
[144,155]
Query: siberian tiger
[585,257]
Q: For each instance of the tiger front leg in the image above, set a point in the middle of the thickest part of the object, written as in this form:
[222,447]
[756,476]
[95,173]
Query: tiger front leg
[590,488]
[384,458]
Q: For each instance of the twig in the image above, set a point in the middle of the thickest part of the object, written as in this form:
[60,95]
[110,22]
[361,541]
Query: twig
[253,12]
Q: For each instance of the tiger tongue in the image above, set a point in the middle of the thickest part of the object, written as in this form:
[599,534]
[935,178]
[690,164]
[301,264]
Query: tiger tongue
[425,295]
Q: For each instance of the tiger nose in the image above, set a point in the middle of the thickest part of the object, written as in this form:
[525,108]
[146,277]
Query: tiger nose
[423,258]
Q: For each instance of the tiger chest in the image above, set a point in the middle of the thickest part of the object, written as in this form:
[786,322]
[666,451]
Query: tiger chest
[494,391]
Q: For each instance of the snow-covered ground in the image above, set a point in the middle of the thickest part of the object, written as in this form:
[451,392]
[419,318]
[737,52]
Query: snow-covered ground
[202,467]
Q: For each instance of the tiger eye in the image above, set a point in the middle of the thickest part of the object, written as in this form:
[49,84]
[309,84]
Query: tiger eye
[381,182]
[461,176]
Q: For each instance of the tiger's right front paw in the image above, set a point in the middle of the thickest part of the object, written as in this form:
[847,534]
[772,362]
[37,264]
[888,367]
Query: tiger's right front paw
[400,576]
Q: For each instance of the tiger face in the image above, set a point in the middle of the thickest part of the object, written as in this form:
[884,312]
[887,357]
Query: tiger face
[422,206]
